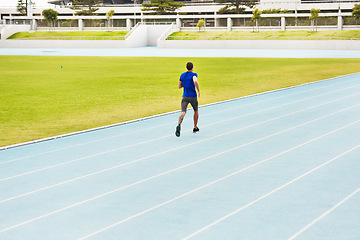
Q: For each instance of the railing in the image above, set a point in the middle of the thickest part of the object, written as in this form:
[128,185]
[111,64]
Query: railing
[168,32]
[156,23]
[255,38]
[74,38]
[132,29]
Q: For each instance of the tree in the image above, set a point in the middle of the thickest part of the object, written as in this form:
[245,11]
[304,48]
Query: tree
[162,7]
[50,15]
[201,24]
[356,11]
[85,7]
[256,16]
[234,5]
[109,16]
[22,7]
[314,15]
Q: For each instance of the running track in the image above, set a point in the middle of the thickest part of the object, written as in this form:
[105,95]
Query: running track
[279,165]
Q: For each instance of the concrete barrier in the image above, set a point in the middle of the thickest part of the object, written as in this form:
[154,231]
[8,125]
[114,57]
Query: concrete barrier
[143,35]
[149,35]
[8,30]
[262,44]
[146,35]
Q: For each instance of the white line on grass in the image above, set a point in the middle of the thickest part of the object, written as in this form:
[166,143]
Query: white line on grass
[150,156]
[268,194]
[324,214]
[183,195]
[136,120]
[218,122]
[221,179]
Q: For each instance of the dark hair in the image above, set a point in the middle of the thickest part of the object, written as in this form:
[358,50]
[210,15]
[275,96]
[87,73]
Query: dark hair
[189,65]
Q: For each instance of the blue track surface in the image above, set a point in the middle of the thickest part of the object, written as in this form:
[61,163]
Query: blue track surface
[279,165]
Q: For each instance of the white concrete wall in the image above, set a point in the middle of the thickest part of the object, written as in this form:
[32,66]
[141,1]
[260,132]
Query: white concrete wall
[146,35]
[9,30]
[262,44]
[154,32]
[138,38]
[143,35]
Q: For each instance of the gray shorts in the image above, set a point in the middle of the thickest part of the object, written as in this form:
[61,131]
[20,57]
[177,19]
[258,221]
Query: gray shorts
[185,102]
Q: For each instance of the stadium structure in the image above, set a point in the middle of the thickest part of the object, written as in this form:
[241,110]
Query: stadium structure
[193,7]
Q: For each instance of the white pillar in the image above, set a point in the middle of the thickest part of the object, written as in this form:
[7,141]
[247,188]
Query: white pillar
[340,20]
[30,14]
[128,24]
[81,23]
[29,9]
[229,24]
[283,24]
[35,24]
[216,23]
[178,23]
[340,23]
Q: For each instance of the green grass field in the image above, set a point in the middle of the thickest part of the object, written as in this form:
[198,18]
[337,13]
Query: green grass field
[46,34]
[40,99]
[318,34]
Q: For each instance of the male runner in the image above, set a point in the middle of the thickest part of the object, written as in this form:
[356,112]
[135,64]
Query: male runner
[188,81]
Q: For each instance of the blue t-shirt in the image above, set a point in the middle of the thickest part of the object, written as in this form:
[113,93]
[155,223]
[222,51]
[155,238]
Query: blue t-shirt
[187,81]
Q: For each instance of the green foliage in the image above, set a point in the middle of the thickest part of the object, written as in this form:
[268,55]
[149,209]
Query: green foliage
[85,7]
[320,34]
[234,6]
[162,7]
[356,11]
[256,16]
[230,9]
[275,11]
[44,34]
[314,14]
[22,7]
[201,24]
[50,15]
[109,16]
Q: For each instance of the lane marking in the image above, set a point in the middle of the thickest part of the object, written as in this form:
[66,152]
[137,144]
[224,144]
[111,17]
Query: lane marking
[150,156]
[324,214]
[183,195]
[229,119]
[268,194]
[119,124]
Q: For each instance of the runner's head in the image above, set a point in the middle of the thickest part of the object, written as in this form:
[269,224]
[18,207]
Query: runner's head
[189,66]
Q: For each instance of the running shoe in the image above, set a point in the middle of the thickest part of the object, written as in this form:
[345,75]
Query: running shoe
[195,130]
[177,133]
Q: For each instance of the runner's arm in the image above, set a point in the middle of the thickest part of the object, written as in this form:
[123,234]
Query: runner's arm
[196,84]
[180,84]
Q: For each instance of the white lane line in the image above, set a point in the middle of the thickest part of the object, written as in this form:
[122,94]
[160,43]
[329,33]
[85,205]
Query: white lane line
[268,194]
[80,144]
[104,139]
[324,215]
[121,165]
[224,101]
[183,195]
[228,119]
[211,183]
